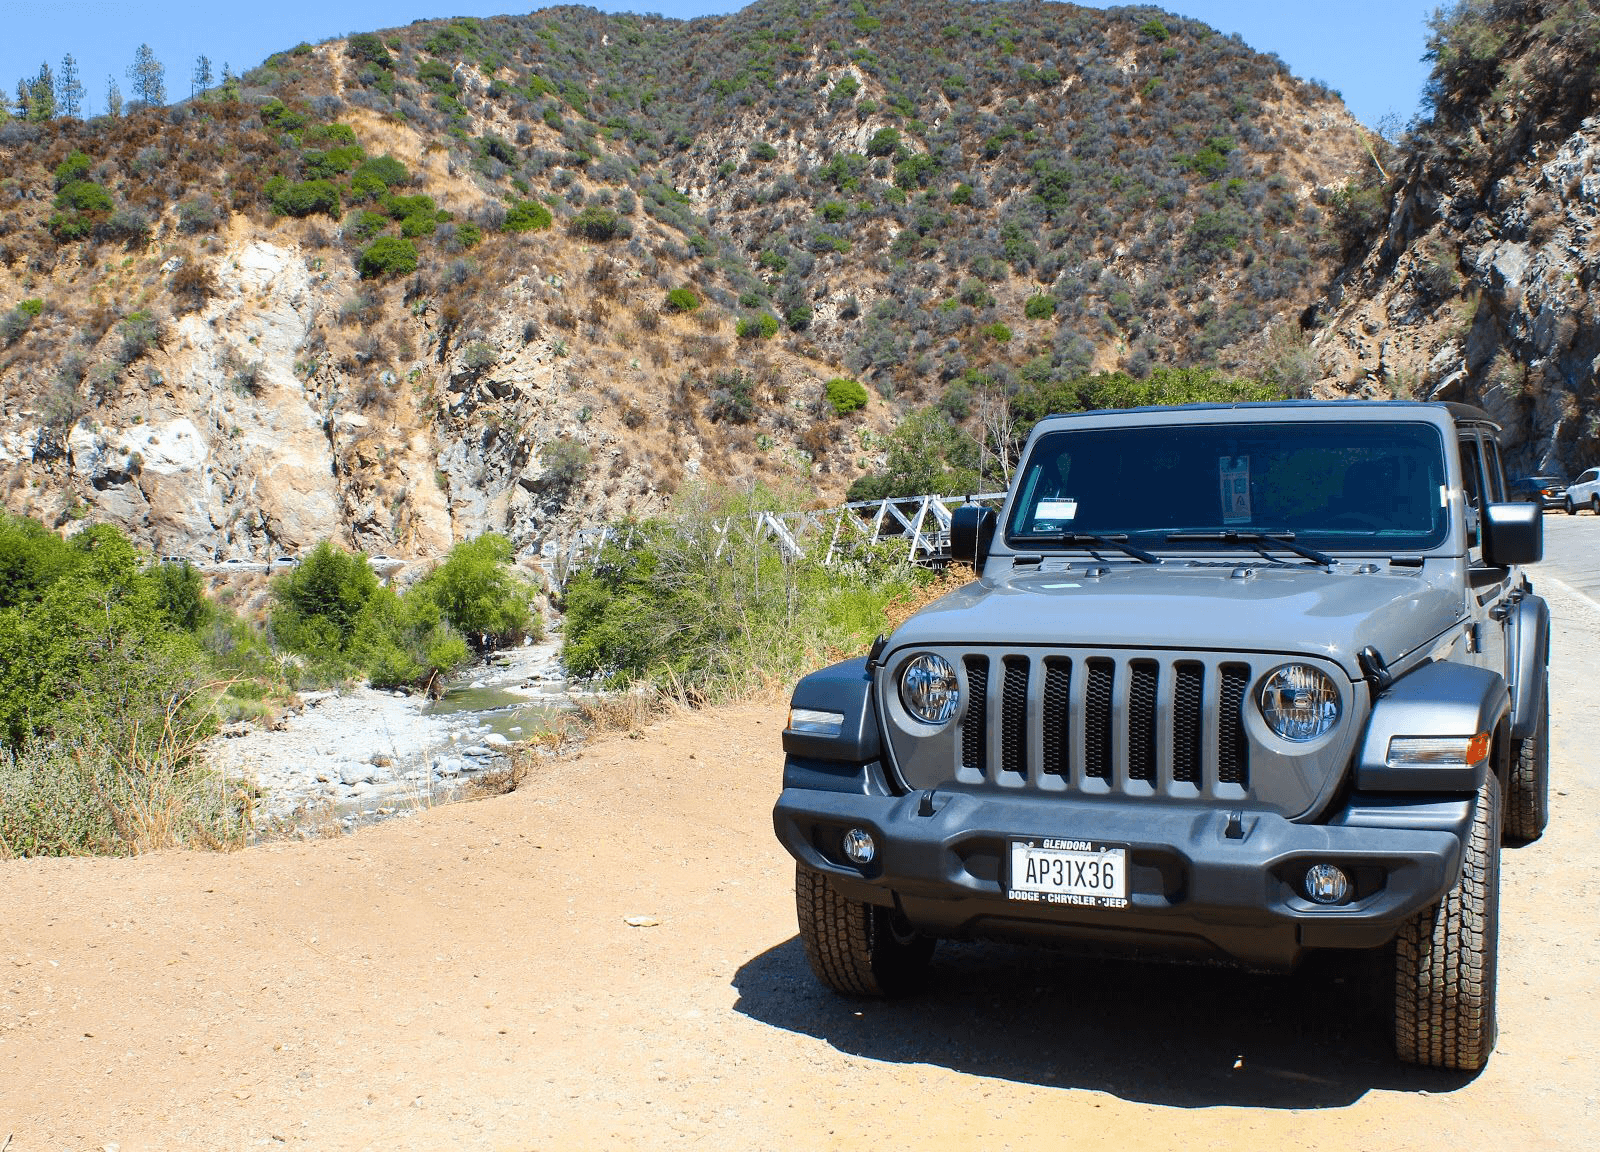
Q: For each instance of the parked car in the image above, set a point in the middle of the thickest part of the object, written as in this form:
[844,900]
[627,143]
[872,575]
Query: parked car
[1233,682]
[1545,490]
[1583,492]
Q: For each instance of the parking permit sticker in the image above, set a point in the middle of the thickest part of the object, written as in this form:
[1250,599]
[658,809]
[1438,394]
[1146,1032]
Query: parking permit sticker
[1234,474]
[1056,510]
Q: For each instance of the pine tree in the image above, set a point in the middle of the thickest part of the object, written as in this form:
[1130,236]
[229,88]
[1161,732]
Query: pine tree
[69,88]
[24,99]
[113,98]
[42,95]
[148,77]
[201,79]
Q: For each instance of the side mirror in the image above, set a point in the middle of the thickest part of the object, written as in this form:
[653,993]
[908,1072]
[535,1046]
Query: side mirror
[1512,534]
[971,533]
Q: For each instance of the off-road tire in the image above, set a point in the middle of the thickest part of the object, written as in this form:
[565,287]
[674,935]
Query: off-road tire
[1528,797]
[853,947]
[1445,958]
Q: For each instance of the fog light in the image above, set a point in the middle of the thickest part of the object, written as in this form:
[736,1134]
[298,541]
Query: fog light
[1325,884]
[859,846]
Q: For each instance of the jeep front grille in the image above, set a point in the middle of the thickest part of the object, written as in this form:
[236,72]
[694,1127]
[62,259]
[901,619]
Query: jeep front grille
[1127,724]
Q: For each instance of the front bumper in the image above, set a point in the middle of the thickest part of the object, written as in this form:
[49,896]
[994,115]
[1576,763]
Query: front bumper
[1194,889]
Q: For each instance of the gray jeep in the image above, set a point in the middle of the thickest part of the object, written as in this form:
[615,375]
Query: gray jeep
[1234,682]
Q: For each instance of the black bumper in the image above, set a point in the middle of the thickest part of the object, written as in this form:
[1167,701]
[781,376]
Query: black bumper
[1194,889]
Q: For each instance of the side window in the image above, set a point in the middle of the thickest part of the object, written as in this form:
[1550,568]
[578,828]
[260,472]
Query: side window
[1496,473]
[1470,472]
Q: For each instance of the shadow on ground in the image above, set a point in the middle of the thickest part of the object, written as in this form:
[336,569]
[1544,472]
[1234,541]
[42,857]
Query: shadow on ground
[1185,1036]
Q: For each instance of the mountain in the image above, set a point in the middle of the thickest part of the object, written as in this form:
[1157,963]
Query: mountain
[524,273]
[1478,279]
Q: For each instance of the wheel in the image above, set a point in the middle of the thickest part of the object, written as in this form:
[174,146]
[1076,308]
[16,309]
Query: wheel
[1528,797]
[853,947]
[1572,509]
[1594,504]
[1445,958]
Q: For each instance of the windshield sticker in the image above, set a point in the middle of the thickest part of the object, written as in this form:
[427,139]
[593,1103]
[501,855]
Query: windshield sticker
[1055,510]
[1234,472]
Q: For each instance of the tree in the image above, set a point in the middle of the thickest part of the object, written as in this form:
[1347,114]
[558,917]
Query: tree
[42,95]
[315,606]
[113,98]
[69,88]
[478,594]
[148,77]
[201,79]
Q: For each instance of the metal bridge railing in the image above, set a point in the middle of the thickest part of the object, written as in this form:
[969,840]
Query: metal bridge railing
[923,522]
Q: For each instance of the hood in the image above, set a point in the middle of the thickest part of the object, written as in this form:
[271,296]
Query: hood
[1209,607]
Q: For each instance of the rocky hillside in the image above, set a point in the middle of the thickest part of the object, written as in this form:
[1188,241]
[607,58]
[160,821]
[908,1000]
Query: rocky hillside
[522,273]
[1481,279]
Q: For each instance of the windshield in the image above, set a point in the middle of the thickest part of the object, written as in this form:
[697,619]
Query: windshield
[1355,486]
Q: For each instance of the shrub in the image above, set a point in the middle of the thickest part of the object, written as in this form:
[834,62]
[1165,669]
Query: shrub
[140,332]
[198,214]
[73,169]
[1155,29]
[997,332]
[315,605]
[419,224]
[478,594]
[845,395]
[386,170]
[385,256]
[305,198]
[915,171]
[566,464]
[1039,307]
[83,196]
[758,327]
[797,318]
[763,152]
[682,300]
[365,224]
[526,216]
[596,223]
[468,234]
[12,325]
[278,117]
[884,142]
[366,47]
[962,195]
[733,398]
[332,163]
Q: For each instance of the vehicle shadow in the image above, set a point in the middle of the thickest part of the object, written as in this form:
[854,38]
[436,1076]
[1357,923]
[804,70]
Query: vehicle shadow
[1181,1035]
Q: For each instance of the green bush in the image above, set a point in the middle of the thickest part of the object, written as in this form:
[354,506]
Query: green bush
[566,464]
[761,326]
[468,234]
[83,196]
[997,332]
[386,256]
[479,595]
[527,216]
[365,224]
[884,142]
[682,300]
[1154,29]
[915,171]
[278,117]
[333,163]
[419,224]
[73,169]
[596,223]
[763,152]
[666,604]
[315,605]
[1039,307]
[845,395]
[386,170]
[303,198]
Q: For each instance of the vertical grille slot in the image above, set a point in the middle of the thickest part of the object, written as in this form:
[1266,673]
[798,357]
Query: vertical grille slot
[1143,679]
[1014,715]
[1055,716]
[1233,751]
[1188,700]
[1097,719]
[975,728]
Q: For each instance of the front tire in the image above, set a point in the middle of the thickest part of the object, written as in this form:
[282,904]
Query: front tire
[854,947]
[1572,509]
[1528,798]
[1594,504]
[1446,958]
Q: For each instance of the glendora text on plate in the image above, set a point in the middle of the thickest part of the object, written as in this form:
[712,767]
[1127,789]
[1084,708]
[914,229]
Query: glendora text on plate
[1082,872]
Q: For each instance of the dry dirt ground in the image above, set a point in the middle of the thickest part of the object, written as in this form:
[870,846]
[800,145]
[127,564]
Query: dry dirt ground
[467,979]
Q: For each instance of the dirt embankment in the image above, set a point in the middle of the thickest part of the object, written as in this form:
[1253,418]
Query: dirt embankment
[468,978]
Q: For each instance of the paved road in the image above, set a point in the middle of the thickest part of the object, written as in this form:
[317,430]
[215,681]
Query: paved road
[1572,553]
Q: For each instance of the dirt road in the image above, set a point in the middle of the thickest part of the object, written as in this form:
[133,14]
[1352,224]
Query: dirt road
[467,979]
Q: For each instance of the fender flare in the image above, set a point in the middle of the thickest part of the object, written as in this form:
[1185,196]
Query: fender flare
[1437,699]
[1529,644]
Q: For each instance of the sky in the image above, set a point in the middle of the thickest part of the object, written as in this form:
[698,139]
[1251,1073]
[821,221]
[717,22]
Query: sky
[1367,50]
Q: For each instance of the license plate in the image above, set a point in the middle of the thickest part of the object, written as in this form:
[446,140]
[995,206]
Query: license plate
[1082,872]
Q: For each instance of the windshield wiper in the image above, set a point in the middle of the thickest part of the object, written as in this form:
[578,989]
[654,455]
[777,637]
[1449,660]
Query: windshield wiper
[1119,542]
[1256,540]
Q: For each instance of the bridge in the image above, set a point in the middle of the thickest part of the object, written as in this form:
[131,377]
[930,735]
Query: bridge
[922,523]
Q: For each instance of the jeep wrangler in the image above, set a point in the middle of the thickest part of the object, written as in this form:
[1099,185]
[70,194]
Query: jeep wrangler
[1233,682]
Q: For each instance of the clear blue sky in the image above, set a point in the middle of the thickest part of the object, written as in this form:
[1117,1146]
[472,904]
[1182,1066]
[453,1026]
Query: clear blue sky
[1369,50]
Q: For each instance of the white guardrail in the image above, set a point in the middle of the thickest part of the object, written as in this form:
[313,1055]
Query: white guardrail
[923,522]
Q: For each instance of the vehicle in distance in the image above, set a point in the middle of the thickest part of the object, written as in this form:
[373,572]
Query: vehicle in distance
[1584,492]
[1236,682]
[1545,490]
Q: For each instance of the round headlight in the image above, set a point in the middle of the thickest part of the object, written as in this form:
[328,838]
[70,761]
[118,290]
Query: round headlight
[929,690]
[1299,702]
